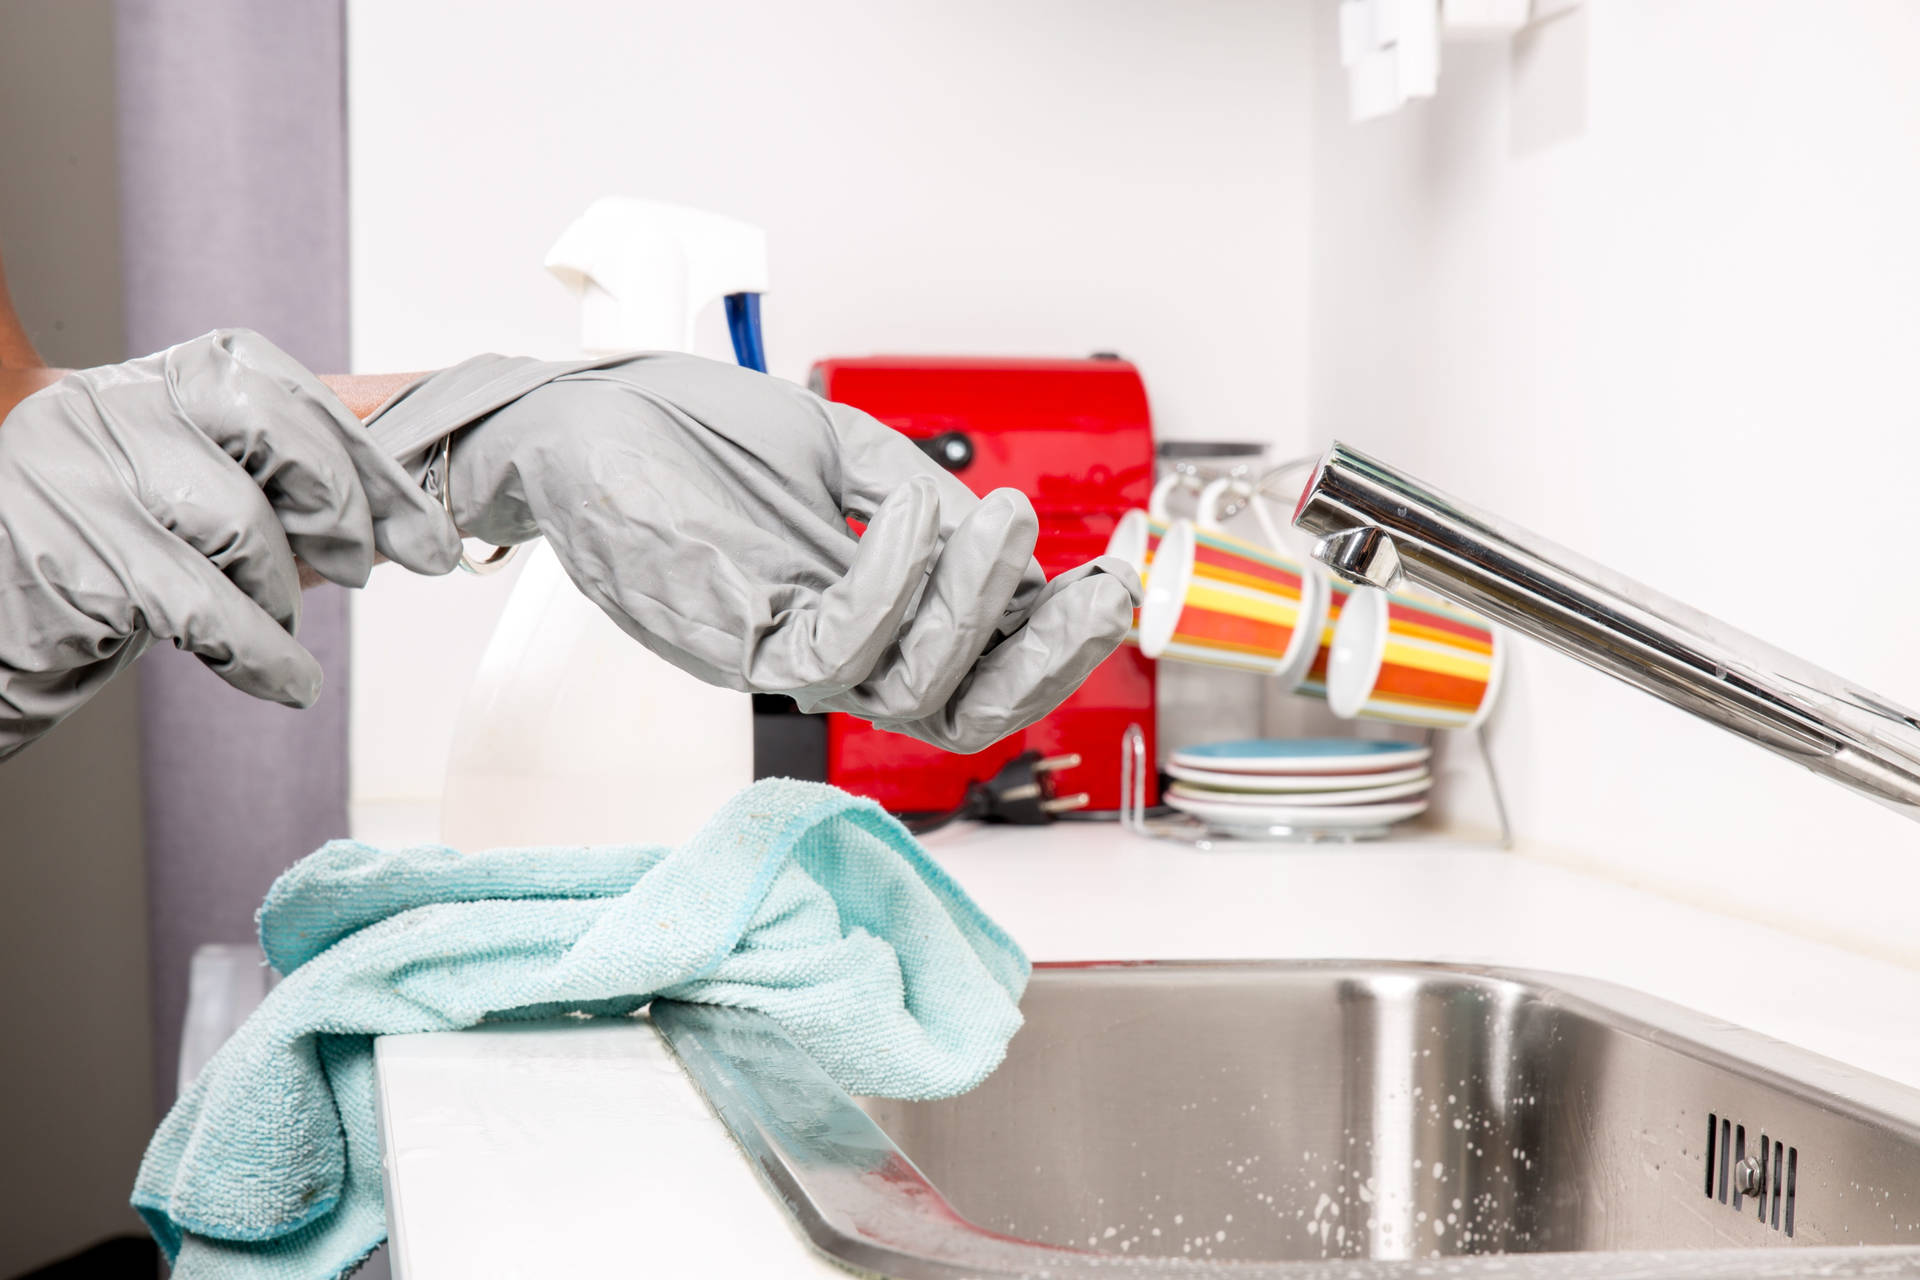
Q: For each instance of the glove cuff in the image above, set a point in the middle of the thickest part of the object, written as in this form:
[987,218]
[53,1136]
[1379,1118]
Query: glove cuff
[414,428]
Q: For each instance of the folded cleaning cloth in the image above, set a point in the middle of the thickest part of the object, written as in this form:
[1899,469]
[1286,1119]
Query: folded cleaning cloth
[796,899]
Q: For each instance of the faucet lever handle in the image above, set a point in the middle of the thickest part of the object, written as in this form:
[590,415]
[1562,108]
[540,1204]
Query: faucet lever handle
[1376,524]
[1364,556]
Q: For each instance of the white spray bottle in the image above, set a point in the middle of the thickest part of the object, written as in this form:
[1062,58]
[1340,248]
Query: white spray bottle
[572,733]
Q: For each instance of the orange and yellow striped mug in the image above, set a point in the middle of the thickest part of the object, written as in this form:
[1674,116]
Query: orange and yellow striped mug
[1313,683]
[1137,534]
[1223,601]
[1413,660]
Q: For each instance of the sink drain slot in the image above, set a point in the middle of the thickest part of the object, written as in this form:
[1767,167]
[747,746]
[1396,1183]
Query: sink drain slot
[1767,1175]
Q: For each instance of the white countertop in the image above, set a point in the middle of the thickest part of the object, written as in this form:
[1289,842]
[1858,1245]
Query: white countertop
[584,1151]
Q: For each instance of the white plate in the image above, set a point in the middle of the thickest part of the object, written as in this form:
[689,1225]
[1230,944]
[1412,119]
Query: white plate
[1276,784]
[1269,756]
[1245,817]
[1311,800]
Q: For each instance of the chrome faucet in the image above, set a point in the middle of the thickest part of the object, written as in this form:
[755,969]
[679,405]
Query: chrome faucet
[1377,527]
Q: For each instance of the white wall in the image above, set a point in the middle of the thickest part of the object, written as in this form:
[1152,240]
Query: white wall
[994,177]
[1644,281]
[1681,339]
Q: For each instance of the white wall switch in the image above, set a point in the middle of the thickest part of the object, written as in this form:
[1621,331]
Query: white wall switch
[1417,52]
[1484,18]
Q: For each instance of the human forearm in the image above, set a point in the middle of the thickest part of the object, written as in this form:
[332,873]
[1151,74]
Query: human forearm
[17,384]
[362,393]
[23,372]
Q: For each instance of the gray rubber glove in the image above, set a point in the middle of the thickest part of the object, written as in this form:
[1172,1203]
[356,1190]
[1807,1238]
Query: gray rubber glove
[165,498]
[704,507]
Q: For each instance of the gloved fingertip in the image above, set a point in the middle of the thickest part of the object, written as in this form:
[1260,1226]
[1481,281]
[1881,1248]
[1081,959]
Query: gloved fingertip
[1115,605]
[427,543]
[1116,570]
[912,510]
[1010,513]
[291,677]
[1016,501]
[1103,612]
[916,492]
[439,556]
[1082,620]
[304,693]
[966,742]
[347,564]
[299,680]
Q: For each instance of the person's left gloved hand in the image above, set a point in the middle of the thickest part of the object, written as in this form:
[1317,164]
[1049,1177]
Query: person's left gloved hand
[704,507]
[165,498]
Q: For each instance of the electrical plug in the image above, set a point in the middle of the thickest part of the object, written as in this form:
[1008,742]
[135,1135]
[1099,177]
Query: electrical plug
[1021,793]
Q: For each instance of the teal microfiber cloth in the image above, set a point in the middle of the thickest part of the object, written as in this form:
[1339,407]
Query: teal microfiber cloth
[796,899]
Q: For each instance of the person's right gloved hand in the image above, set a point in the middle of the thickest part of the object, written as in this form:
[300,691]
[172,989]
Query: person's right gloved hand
[165,498]
[704,507]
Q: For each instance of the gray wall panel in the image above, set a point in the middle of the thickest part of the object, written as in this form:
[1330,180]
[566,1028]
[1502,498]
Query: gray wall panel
[76,1103]
[233,185]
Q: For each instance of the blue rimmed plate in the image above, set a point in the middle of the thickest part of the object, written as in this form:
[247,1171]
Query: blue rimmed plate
[1297,756]
[1293,783]
[1242,819]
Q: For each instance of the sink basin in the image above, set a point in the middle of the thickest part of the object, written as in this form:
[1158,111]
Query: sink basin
[1336,1118]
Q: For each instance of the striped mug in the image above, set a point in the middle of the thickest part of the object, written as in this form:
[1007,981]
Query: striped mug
[1413,660]
[1313,683]
[1223,601]
[1137,535]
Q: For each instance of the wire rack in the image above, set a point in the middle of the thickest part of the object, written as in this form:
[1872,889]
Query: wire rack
[1249,482]
[1169,824]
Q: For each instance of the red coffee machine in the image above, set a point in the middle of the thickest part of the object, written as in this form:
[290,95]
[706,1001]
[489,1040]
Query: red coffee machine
[1076,438]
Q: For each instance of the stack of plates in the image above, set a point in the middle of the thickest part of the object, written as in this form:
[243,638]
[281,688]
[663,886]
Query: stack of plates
[1300,786]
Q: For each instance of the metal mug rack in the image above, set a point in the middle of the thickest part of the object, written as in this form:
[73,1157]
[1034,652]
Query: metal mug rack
[1249,481]
[1193,476]
[1168,824]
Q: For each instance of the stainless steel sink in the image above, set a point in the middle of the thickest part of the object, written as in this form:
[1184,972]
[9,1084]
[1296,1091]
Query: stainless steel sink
[1336,1118]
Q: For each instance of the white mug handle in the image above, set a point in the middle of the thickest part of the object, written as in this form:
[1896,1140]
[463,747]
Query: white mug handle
[1208,515]
[1264,517]
[1157,502]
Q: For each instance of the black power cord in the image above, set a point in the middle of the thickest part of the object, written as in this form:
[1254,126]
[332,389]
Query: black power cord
[1021,793]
